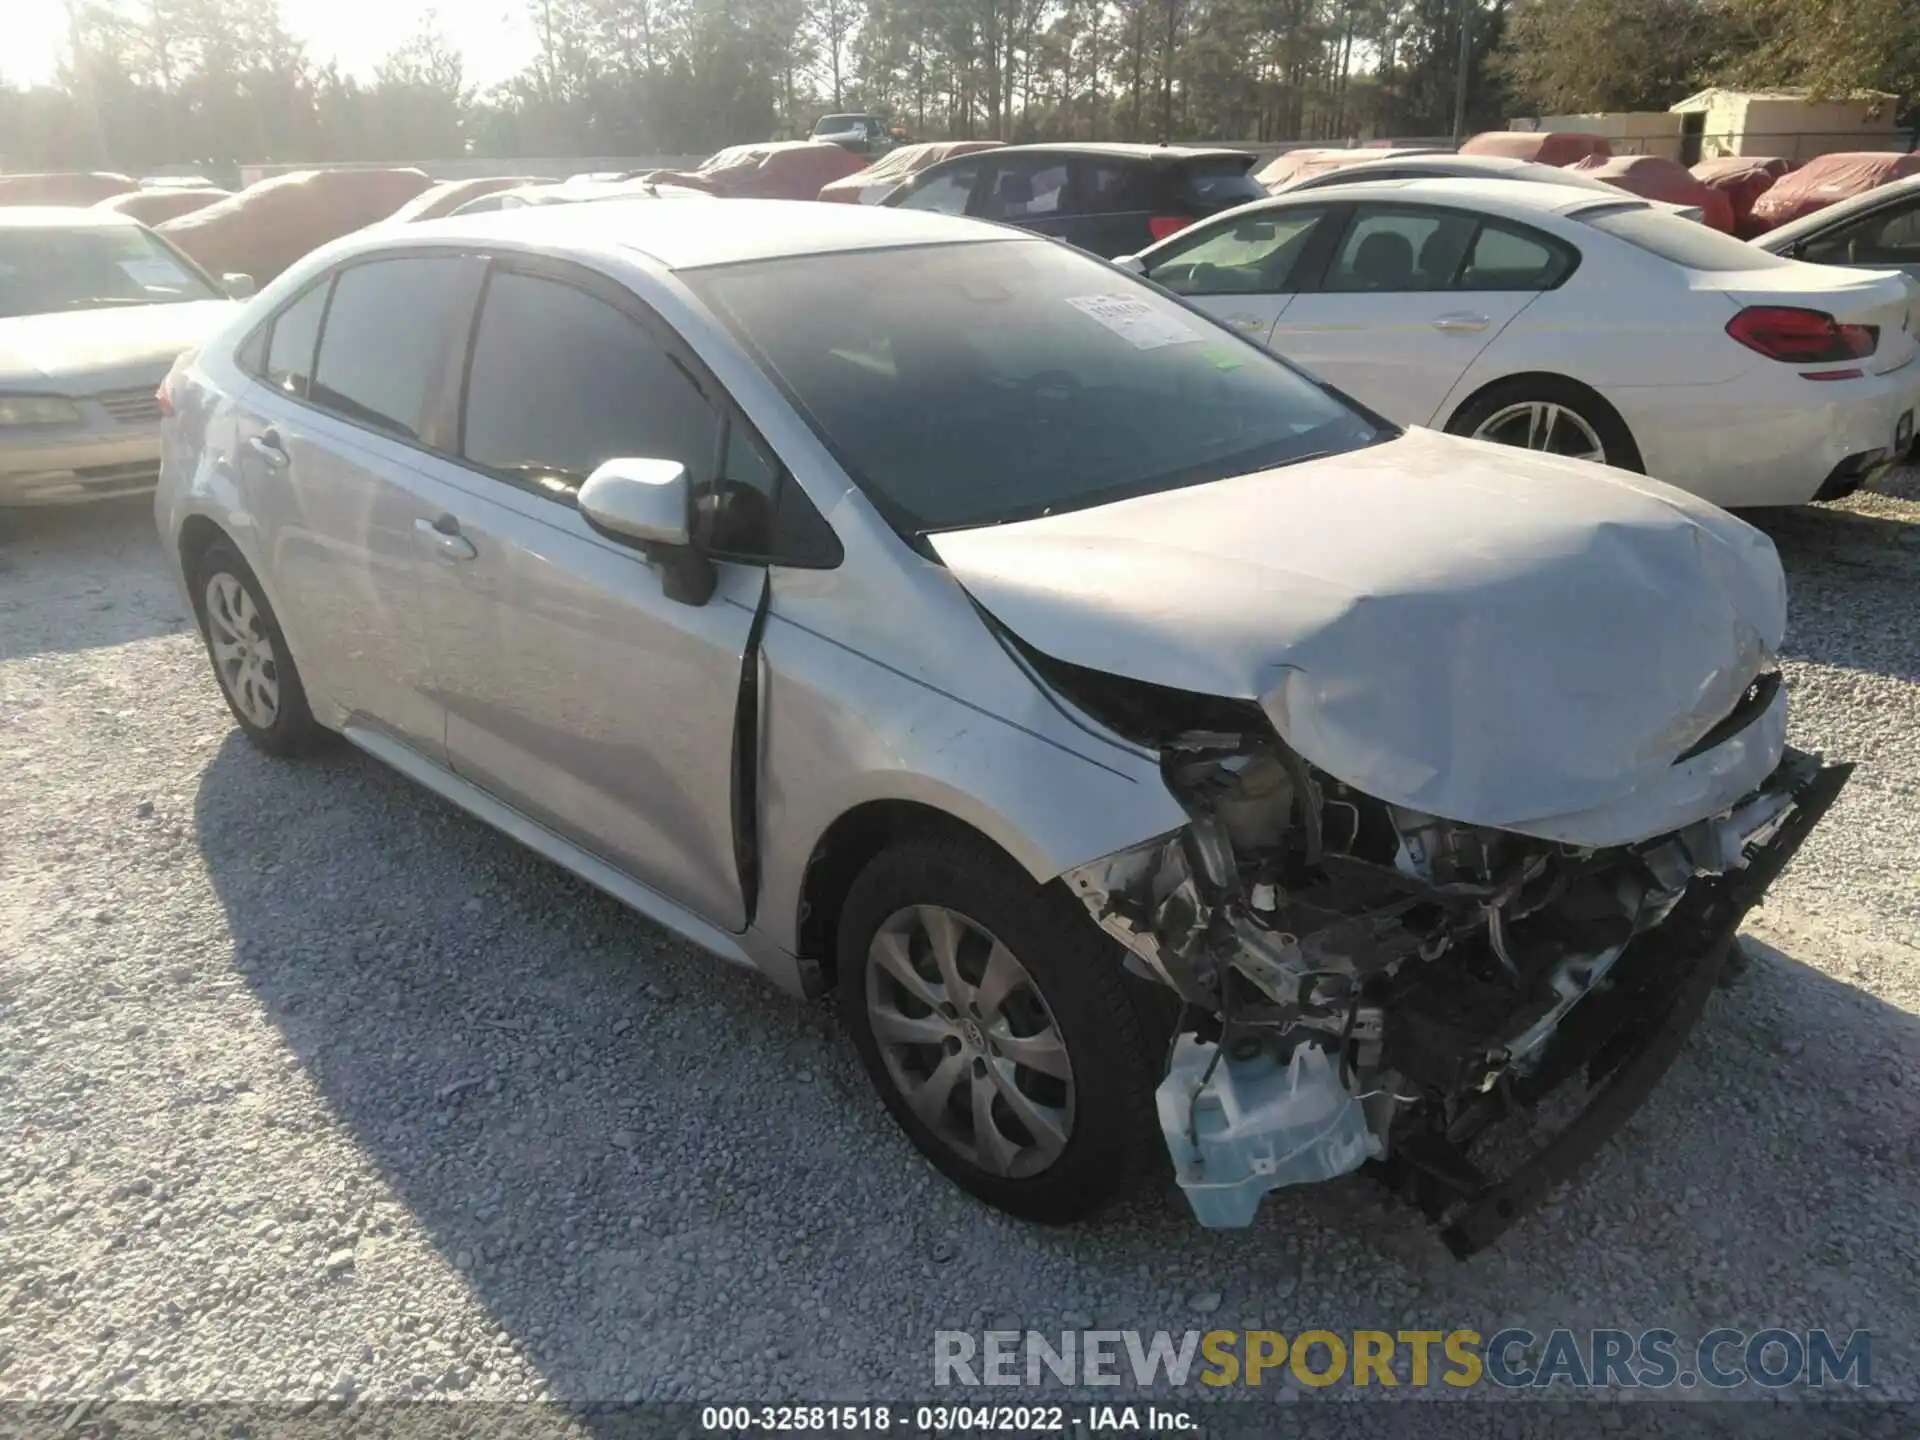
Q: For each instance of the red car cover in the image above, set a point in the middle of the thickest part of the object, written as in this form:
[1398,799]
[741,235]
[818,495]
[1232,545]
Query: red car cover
[1743,179]
[266,227]
[1544,147]
[777,170]
[77,187]
[898,166]
[150,207]
[1654,177]
[1827,178]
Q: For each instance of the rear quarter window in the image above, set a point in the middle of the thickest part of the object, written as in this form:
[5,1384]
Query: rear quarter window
[1216,183]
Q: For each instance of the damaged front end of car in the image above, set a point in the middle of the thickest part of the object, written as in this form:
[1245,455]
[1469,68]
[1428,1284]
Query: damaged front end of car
[1362,982]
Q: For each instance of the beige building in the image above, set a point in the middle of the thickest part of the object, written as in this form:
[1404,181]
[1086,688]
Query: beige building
[1785,123]
[1742,122]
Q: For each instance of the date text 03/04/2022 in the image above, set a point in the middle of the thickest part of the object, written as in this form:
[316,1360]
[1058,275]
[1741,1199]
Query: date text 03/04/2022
[944,1419]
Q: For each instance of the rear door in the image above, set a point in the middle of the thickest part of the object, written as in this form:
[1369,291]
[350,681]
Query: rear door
[1033,191]
[575,689]
[336,452]
[1411,296]
[1243,270]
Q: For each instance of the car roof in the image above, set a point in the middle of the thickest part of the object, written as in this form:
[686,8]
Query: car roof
[1840,210]
[1446,163]
[685,237]
[60,217]
[1153,154]
[1480,192]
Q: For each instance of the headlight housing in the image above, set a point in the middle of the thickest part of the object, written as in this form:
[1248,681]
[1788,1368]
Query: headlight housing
[37,410]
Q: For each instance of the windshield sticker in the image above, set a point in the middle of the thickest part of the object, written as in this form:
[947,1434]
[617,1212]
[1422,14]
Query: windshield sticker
[151,273]
[1136,322]
[1221,358]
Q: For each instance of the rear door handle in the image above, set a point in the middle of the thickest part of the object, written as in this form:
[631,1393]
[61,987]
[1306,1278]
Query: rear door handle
[268,447]
[1461,324]
[448,543]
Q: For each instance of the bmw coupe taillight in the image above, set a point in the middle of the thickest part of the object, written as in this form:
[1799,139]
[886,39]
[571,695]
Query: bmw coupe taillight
[1801,337]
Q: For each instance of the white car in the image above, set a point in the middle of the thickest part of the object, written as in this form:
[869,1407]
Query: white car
[1586,325]
[94,309]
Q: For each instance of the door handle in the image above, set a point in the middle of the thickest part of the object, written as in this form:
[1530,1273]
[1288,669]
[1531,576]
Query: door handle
[1461,324]
[267,446]
[448,543]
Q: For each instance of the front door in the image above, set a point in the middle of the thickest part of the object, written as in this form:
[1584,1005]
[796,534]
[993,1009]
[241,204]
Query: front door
[575,690]
[1411,297]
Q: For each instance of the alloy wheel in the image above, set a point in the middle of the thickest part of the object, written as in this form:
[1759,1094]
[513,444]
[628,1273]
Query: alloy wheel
[243,655]
[969,1042]
[1545,426]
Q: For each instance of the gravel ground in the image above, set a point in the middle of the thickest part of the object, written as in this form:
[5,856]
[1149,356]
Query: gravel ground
[314,1087]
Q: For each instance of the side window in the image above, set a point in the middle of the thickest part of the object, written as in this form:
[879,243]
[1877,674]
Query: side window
[1108,187]
[1027,188]
[562,381]
[1509,259]
[946,191]
[1889,237]
[386,339]
[289,359]
[1256,255]
[1387,250]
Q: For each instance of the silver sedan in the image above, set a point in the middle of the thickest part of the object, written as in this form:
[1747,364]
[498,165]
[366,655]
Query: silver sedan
[1153,750]
[94,307]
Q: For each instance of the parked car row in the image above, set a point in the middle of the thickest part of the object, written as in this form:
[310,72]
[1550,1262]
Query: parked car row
[1148,744]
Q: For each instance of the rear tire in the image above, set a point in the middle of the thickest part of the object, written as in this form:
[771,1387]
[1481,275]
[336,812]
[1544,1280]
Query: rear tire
[1551,415]
[249,654]
[955,969]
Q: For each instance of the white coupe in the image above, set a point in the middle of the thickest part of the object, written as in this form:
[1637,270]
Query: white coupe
[1567,321]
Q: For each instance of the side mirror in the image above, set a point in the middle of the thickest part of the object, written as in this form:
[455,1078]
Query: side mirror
[1132,264]
[237,286]
[648,503]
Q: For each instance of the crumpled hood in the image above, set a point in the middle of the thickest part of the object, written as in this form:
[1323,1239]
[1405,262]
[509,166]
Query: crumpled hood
[1478,632]
[77,352]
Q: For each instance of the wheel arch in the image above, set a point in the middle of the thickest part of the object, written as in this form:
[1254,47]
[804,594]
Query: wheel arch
[1521,378]
[844,850]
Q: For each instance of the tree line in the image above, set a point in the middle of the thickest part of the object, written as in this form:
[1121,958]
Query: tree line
[148,83]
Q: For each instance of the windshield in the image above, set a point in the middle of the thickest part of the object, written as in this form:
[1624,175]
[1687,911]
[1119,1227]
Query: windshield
[978,383]
[46,268]
[1686,243]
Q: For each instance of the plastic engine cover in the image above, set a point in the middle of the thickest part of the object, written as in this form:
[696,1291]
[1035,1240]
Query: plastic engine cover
[1254,1127]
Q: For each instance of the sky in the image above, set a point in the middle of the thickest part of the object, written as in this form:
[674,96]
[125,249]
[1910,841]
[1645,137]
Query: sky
[494,36]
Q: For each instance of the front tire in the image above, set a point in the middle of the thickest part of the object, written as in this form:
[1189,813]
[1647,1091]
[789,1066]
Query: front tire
[249,654]
[994,1019]
[1552,416]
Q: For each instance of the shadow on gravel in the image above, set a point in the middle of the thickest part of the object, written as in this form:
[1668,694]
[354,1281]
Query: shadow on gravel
[1851,579]
[668,1180]
[81,577]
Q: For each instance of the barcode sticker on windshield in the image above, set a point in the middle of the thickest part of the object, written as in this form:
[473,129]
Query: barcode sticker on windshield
[152,272]
[1136,322]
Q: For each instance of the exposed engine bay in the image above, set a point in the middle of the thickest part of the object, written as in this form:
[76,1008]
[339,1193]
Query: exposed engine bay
[1364,982]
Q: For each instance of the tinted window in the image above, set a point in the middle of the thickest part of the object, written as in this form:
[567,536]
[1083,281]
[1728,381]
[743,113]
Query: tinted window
[1251,256]
[1216,183]
[1502,258]
[1108,186]
[1388,250]
[1027,188]
[946,191]
[1684,242]
[562,381]
[386,337]
[289,362]
[971,384]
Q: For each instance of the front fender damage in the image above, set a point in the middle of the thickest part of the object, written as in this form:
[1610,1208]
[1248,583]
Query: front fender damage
[1362,982]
